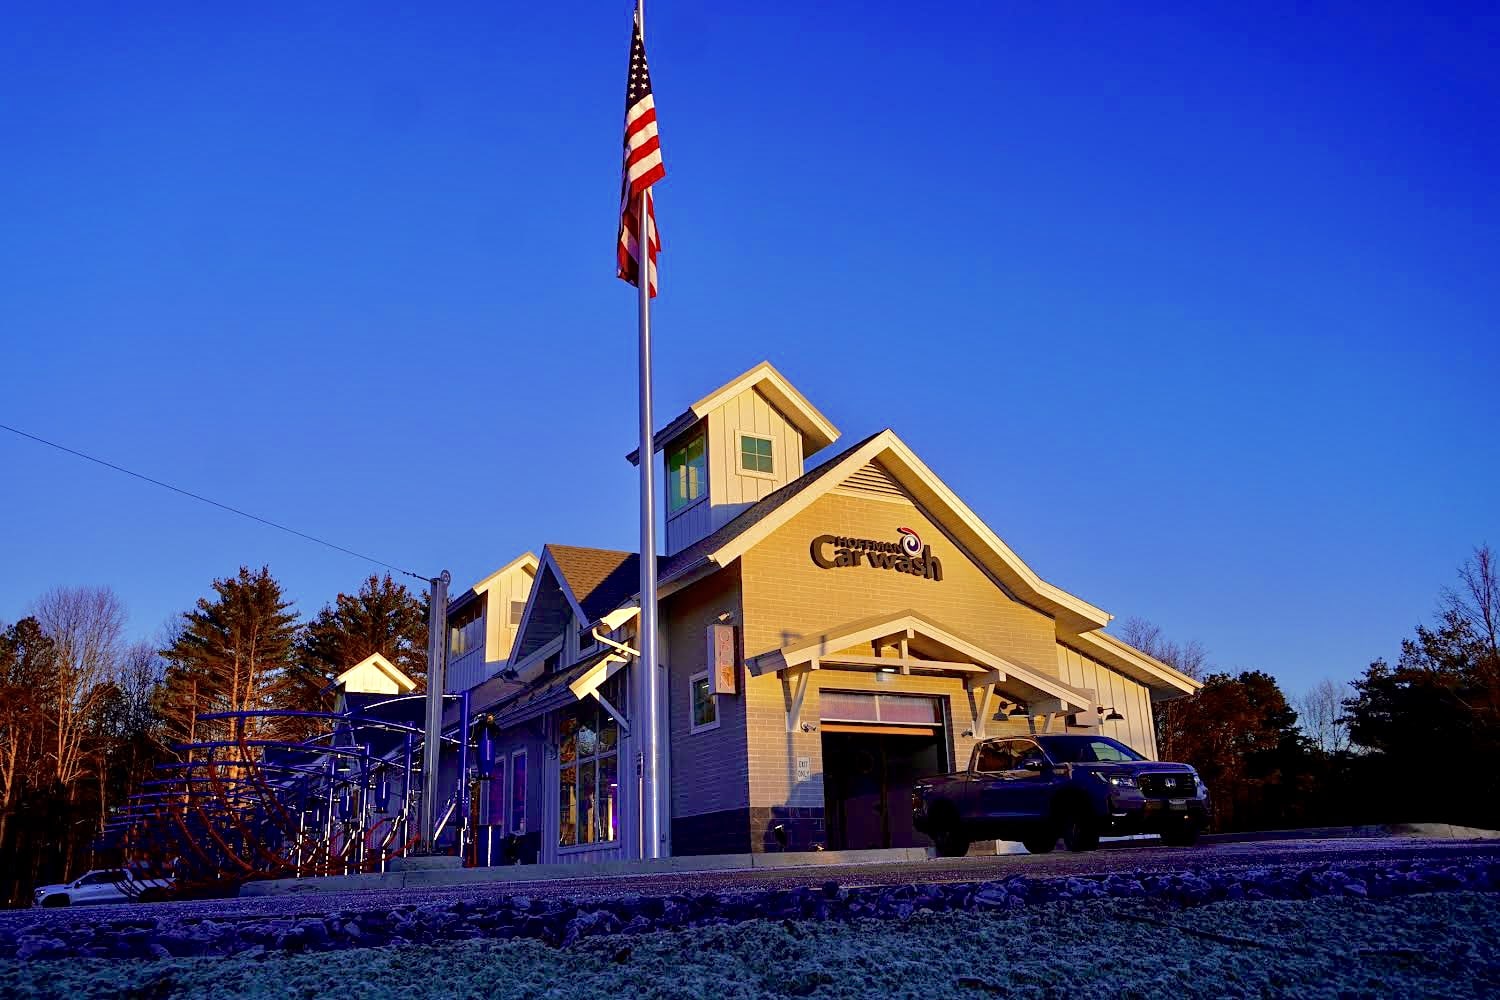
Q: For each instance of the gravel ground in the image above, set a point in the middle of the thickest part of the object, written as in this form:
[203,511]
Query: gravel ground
[1433,945]
[1137,858]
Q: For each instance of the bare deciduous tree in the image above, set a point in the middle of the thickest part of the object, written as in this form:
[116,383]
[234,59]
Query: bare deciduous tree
[84,624]
[1477,601]
[1320,713]
[1190,658]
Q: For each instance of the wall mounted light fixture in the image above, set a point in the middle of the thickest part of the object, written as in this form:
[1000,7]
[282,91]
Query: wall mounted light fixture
[1113,715]
[1018,711]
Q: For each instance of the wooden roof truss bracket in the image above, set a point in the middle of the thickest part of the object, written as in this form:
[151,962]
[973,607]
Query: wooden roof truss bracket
[794,684]
[591,682]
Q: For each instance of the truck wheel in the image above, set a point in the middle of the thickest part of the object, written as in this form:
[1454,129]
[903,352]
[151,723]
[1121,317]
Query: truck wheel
[947,833]
[950,843]
[1080,832]
[1040,843]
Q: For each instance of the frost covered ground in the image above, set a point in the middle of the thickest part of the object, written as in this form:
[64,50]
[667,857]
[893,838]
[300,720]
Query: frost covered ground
[1444,944]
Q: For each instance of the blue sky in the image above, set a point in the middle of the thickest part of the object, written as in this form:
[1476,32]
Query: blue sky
[1198,309]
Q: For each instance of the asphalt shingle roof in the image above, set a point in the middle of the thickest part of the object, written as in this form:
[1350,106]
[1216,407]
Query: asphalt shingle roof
[601,579]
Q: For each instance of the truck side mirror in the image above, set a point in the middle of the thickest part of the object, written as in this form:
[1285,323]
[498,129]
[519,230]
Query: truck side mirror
[1033,764]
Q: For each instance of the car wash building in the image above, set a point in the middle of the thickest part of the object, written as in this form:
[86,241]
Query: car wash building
[835,623]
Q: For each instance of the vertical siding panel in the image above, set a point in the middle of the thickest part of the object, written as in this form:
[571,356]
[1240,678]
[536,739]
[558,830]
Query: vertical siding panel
[716,469]
[762,416]
[1116,698]
[1148,712]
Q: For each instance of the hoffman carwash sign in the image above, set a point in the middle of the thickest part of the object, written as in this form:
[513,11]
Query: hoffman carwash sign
[905,555]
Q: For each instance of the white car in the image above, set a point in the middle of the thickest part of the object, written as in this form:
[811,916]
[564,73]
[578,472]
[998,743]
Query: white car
[102,885]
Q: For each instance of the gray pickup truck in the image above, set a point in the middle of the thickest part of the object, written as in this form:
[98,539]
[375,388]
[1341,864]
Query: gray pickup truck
[1036,789]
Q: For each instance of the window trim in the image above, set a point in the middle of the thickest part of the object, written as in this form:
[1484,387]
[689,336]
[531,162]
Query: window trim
[740,456]
[578,761]
[693,725]
[510,788]
[687,504]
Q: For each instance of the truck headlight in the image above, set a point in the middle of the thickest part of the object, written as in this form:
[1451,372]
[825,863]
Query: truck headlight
[1116,780]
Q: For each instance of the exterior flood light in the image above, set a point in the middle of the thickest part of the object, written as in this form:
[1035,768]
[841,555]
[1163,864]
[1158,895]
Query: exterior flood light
[1017,711]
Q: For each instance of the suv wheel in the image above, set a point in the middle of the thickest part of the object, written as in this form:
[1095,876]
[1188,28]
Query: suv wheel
[1079,830]
[56,899]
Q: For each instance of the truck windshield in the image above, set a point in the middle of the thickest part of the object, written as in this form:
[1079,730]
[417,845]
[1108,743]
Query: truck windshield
[1086,749]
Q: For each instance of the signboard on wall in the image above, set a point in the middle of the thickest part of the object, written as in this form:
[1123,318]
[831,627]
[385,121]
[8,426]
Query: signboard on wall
[905,555]
[723,676]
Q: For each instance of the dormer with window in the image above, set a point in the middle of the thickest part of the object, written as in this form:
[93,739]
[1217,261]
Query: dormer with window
[740,443]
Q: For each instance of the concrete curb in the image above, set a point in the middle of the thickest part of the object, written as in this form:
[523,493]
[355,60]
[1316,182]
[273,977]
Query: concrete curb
[424,878]
[420,877]
[1423,831]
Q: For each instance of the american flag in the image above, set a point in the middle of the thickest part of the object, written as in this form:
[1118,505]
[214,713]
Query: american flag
[643,166]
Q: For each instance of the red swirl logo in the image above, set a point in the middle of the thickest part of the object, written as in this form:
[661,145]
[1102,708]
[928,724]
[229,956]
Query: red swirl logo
[911,542]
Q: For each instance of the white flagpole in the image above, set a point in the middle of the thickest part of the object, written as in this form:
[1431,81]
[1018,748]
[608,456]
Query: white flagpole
[651,752]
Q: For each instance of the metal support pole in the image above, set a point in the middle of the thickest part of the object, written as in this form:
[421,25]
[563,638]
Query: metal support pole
[462,787]
[647,640]
[437,654]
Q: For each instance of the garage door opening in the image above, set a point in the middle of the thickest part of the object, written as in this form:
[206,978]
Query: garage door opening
[875,747]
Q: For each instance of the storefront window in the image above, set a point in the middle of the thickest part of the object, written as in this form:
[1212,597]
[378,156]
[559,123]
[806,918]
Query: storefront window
[518,792]
[588,778]
[494,800]
[705,710]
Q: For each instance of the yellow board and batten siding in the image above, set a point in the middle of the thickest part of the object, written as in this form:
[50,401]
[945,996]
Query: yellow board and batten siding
[1132,700]
[730,488]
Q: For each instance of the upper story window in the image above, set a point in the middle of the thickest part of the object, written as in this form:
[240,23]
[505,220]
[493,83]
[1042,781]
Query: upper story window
[687,473]
[755,454]
[466,629]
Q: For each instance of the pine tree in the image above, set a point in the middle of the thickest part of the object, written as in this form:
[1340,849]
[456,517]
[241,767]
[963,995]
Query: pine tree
[384,617]
[232,652]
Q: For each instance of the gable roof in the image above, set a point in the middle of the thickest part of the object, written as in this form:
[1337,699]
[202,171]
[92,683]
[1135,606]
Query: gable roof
[526,561]
[1138,666]
[600,580]
[816,430]
[940,503]
[380,666]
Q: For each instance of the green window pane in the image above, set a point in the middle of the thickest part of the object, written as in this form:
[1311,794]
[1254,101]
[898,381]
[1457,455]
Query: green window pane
[755,454]
[687,473]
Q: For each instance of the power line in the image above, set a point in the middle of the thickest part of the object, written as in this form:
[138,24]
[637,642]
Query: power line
[207,500]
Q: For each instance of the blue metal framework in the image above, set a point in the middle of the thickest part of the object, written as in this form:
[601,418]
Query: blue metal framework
[341,802]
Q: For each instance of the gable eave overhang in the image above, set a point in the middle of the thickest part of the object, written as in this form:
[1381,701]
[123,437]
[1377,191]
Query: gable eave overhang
[526,561]
[817,430]
[562,581]
[1162,679]
[1071,613]
[385,666]
[547,563]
